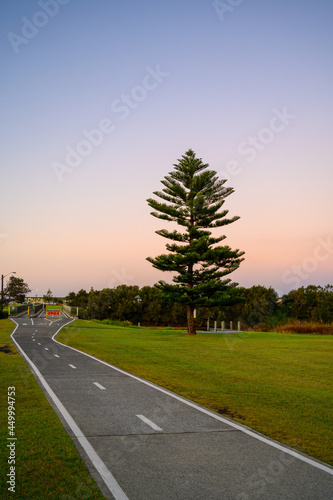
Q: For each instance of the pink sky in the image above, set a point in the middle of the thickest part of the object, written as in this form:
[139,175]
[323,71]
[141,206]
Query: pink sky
[250,94]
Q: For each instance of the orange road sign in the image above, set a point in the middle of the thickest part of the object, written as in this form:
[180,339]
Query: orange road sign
[52,313]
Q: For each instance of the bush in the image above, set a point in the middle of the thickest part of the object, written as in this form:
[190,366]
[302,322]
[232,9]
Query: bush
[305,327]
[294,326]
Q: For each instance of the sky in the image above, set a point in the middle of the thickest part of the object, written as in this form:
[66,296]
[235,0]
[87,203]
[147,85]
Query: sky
[101,98]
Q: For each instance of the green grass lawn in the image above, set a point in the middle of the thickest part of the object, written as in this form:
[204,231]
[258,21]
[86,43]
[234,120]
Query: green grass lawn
[47,463]
[279,384]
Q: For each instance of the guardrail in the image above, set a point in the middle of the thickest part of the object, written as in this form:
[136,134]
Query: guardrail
[71,311]
[33,310]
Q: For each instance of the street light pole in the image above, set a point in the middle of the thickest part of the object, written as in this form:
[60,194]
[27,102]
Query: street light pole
[2,277]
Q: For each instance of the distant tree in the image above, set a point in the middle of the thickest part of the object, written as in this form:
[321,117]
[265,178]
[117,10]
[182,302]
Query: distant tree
[16,290]
[310,303]
[127,303]
[260,304]
[82,298]
[48,297]
[192,198]
[79,299]
[325,303]
[99,304]
[70,299]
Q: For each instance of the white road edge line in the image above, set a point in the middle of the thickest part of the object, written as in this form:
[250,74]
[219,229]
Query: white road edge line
[104,472]
[99,386]
[150,423]
[241,428]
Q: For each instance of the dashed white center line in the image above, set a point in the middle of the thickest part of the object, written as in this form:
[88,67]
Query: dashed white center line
[46,348]
[32,321]
[39,343]
[72,366]
[56,355]
[99,385]
[150,423]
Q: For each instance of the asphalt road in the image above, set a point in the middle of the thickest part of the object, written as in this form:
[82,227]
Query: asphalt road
[142,442]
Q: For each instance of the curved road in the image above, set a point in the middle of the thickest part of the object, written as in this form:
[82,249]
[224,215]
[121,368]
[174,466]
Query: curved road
[141,442]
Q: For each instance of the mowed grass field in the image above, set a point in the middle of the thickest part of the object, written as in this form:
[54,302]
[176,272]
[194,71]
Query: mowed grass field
[47,462]
[278,384]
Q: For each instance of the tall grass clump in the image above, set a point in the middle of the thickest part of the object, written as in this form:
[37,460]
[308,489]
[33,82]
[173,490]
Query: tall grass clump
[310,327]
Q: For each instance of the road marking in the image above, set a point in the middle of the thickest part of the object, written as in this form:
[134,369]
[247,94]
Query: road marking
[32,321]
[150,423]
[100,466]
[99,385]
[24,323]
[39,343]
[56,355]
[72,366]
[46,348]
[33,340]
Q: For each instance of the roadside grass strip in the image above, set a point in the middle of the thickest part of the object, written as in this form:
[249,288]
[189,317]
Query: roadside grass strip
[278,384]
[47,464]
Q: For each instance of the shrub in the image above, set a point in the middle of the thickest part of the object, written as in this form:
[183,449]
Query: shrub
[306,327]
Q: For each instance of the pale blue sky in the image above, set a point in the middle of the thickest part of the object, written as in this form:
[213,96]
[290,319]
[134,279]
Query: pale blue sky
[186,77]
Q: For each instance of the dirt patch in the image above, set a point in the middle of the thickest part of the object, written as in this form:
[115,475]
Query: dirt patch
[8,349]
[230,413]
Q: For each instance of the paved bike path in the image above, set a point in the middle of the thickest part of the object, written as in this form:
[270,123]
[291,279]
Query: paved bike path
[142,442]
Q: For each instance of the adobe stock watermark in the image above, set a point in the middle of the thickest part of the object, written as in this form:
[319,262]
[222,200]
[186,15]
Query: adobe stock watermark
[255,144]
[31,27]
[301,272]
[120,278]
[266,476]
[122,108]
[223,8]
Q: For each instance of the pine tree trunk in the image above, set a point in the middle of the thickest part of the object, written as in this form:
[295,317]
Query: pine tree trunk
[190,321]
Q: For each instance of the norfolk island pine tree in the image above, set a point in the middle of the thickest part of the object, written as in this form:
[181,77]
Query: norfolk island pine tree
[192,198]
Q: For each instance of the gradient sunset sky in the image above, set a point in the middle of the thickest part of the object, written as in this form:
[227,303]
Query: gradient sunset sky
[99,100]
